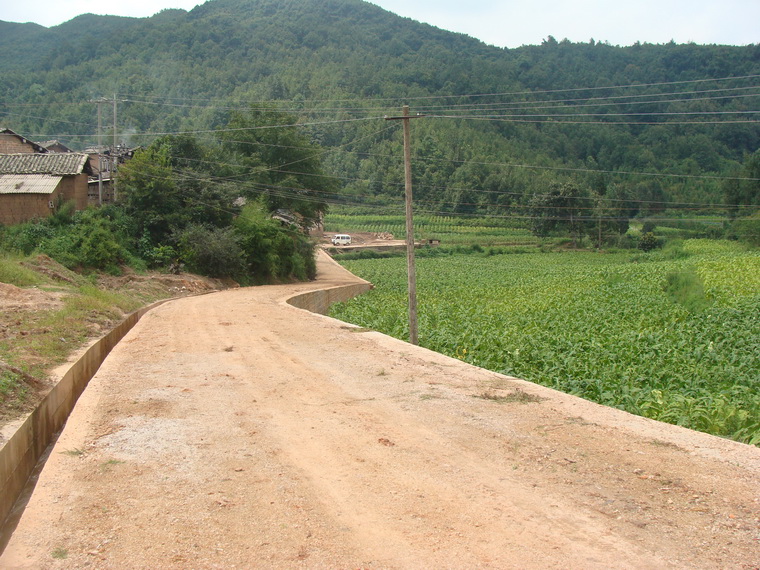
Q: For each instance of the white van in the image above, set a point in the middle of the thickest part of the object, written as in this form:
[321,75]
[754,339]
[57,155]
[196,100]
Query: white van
[341,239]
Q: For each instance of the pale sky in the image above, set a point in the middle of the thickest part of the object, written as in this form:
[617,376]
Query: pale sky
[503,23]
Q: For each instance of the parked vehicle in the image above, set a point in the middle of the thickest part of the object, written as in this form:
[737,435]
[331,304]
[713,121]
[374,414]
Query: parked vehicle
[341,239]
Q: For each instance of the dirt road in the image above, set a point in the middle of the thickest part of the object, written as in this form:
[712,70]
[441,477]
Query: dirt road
[234,431]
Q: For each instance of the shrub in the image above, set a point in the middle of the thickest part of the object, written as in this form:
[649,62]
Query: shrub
[272,252]
[687,289]
[624,241]
[748,229]
[161,256]
[98,248]
[214,252]
[648,242]
[26,238]
[87,239]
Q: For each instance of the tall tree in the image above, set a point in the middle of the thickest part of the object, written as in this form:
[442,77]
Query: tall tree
[564,208]
[149,194]
[746,190]
[171,184]
[275,160]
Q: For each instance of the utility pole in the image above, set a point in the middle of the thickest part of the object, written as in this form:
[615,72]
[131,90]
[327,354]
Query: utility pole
[114,125]
[114,153]
[113,157]
[411,271]
[99,103]
[100,152]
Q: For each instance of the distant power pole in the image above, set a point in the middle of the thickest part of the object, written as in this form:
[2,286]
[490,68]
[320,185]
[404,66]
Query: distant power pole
[114,153]
[113,157]
[99,103]
[114,125]
[411,271]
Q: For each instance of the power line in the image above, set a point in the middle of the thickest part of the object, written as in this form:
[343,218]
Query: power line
[590,101]
[224,103]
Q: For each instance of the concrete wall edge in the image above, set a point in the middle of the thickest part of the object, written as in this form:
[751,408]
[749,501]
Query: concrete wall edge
[20,453]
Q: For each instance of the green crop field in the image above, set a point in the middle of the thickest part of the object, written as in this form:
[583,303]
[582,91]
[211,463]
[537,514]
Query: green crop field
[672,335]
[450,230]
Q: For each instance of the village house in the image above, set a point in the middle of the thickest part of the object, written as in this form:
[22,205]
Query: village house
[103,164]
[55,146]
[12,143]
[34,184]
[34,187]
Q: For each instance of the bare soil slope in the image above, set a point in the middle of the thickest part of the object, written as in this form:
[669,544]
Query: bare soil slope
[234,431]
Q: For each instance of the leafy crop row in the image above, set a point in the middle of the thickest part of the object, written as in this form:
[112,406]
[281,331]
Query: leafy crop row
[611,328]
[453,231]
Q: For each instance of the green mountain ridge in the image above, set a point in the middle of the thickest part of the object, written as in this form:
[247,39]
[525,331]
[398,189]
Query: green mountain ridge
[502,123]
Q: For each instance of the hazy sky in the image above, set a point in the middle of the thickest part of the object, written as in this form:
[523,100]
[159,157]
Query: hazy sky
[504,23]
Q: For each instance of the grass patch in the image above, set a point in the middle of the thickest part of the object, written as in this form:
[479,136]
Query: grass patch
[36,337]
[49,336]
[518,396]
[14,394]
[430,397]
[106,465]
[13,273]
[686,288]
[60,554]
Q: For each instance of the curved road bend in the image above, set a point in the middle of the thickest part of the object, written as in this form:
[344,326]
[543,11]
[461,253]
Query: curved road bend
[235,431]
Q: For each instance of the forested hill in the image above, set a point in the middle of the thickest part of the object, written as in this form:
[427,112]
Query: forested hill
[501,124]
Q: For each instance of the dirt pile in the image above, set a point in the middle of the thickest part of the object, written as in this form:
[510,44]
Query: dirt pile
[14,298]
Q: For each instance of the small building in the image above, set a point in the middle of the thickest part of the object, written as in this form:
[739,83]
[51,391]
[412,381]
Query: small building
[104,163]
[32,185]
[12,143]
[55,146]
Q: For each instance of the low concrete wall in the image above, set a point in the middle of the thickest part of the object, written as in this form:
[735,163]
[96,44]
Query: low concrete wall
[320,301]
[20,454]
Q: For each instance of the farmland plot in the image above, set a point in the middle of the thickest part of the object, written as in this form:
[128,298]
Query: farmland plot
[674,336]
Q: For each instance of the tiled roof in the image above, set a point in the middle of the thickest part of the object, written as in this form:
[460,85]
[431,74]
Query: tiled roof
[37,147]
[28,183]
[55,146]
[55,163]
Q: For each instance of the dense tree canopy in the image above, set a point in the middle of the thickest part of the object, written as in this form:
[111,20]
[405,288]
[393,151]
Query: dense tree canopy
[273,159]
[210,206]
[665,124]
[745,189]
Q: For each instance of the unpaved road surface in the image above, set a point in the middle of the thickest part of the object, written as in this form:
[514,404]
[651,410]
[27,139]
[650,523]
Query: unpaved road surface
[234,431]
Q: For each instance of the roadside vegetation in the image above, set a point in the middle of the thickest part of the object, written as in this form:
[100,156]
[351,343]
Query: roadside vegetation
[668,332]
[178,211]
[206,208]
[50,312]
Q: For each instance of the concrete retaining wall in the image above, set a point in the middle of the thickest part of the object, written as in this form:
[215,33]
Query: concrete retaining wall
[21,452]
[320,301]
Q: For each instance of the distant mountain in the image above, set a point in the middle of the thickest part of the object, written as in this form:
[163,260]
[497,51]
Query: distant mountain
[502,123]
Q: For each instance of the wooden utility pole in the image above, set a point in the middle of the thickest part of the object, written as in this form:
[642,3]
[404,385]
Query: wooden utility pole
[100,153]
[411,271]
[114,126]
[114,153]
